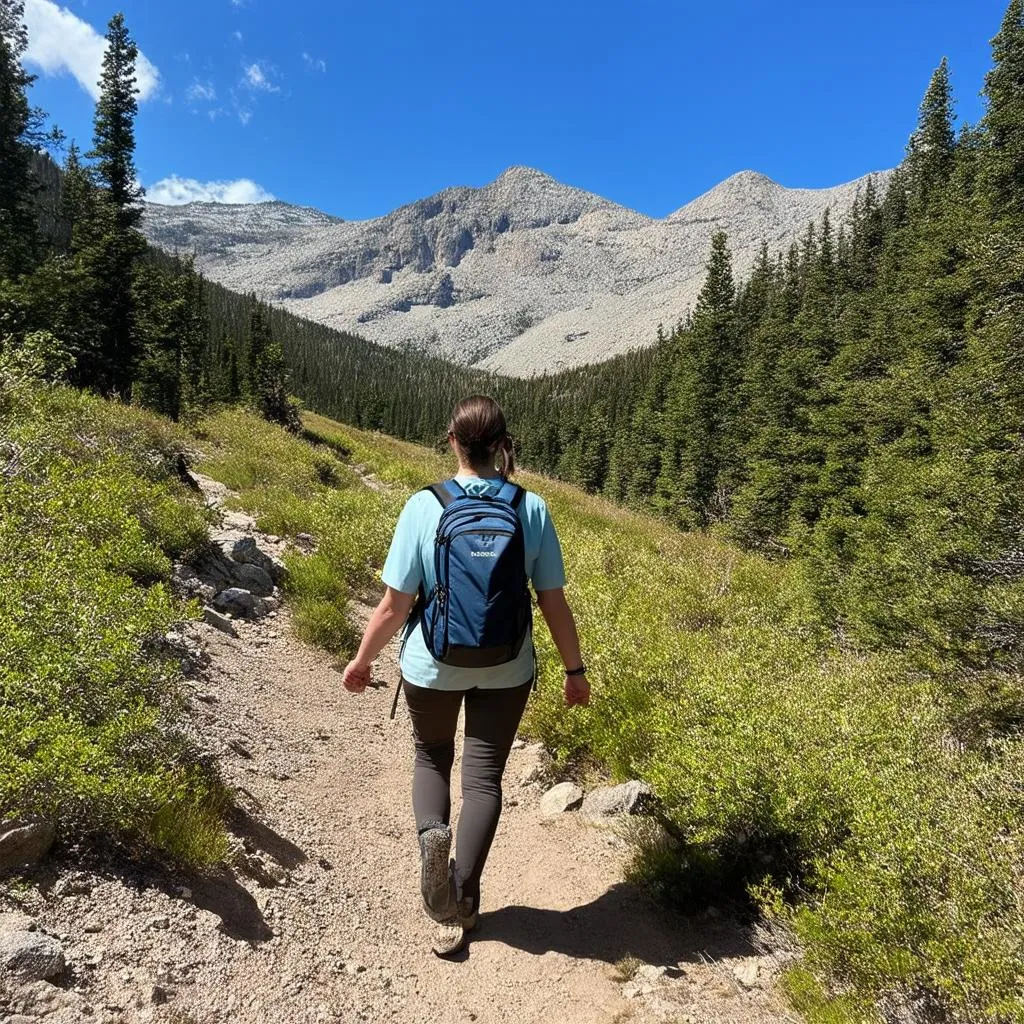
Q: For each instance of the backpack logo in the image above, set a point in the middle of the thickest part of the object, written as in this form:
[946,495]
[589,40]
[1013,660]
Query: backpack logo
[483,554]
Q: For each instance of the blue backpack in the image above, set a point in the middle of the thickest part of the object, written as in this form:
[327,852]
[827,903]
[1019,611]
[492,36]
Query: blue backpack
[479,611]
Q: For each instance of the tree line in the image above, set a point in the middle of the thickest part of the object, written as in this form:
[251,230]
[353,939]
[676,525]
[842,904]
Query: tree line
[82,296]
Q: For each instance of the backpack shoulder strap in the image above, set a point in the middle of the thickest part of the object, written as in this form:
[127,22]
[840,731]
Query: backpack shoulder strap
[446,491]
[512,493]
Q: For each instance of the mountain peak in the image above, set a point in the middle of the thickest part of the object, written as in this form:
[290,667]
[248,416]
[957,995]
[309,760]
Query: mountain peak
[520,174]
[749,180]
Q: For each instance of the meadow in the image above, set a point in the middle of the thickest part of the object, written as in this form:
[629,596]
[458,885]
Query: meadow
[797,777]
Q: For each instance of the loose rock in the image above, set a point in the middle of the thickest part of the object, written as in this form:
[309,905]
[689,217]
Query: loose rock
[254,579]
[214,618]
[25,842]
[614,801]
[236,602]
[30,956]
[566,796]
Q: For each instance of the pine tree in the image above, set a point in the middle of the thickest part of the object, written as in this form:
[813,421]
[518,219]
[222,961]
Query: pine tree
[1003,124]
[930,151]
[114,125]
[702,377]
[18,240]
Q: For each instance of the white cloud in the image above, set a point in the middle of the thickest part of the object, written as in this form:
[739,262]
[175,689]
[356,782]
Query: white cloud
[175,191]
[258,78]
[314,63]
[201,92]
[60,41]
[237,35]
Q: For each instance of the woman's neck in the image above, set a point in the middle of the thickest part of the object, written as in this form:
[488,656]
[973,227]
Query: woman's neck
[485,472]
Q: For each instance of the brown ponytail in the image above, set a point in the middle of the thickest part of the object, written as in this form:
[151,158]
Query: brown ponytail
[479,429]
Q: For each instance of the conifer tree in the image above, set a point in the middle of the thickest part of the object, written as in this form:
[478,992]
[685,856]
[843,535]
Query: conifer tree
[1003,124]
[703,374]
[18,242]
[114,125]
[930,151]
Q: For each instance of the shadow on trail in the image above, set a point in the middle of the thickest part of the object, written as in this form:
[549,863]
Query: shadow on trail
[622,922]
[261,836]
[218,892]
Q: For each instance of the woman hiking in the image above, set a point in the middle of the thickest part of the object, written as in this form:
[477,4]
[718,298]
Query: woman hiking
[465,549]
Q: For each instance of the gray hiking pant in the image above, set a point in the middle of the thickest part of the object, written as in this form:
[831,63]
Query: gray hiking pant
[492,718]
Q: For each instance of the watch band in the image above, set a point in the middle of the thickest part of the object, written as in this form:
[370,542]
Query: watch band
[581,671]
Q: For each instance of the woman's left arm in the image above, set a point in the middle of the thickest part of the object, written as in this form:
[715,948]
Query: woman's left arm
[385,622]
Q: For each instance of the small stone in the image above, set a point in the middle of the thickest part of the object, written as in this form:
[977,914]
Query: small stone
[616,801]
[77,883]
[566,796]
[25,841]
[93,928]
[158,995]
[30,956]
[747,972]
[518,744]
[160,923]
[305,542]
[214,618]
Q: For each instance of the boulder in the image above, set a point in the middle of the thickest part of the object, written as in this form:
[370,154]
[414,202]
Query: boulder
[236,602]
[566,796]
[252,578]
[246,551]
[24,842]
[609,802]
[30,956]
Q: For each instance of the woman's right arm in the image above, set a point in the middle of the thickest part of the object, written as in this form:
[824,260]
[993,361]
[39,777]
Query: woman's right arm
[558,615]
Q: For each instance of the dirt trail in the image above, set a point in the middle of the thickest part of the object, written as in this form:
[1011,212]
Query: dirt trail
[325,923]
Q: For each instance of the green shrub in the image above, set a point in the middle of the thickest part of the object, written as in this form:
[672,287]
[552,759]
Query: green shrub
[91,513]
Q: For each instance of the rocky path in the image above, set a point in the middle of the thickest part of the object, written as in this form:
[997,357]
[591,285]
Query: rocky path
[319,917]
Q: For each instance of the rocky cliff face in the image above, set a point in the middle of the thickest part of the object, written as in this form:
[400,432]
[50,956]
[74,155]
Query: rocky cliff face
[521,276]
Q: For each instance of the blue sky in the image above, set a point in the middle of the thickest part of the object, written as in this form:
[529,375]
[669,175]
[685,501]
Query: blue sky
[358,108]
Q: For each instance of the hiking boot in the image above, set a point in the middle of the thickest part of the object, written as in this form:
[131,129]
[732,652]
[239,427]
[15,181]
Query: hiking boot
[436,883]
[449,937]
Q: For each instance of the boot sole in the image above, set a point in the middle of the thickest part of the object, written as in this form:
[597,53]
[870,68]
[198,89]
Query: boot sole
[435,876]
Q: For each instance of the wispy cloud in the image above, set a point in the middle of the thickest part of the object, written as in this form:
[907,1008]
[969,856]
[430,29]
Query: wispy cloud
[61,42]
[175,191]
[259,77]
[314,63]
[201,92]
[237,36]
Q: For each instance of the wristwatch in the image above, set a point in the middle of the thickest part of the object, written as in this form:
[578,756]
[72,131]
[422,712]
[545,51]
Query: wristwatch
[581,671]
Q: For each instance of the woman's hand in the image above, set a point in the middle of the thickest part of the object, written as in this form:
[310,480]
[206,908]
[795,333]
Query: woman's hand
[356,676]
[577,691]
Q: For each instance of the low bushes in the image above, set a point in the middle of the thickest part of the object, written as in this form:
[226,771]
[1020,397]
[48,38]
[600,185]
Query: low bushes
[91,514]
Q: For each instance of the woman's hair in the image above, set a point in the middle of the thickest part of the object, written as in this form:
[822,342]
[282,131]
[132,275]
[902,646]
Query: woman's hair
[478,426]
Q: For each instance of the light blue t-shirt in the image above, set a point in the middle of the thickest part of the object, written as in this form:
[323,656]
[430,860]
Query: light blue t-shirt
[410,564]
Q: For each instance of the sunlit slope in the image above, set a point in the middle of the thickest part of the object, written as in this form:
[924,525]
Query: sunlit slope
[787,766]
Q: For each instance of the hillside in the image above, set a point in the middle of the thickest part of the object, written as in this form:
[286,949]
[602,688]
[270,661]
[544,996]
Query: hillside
[521,276]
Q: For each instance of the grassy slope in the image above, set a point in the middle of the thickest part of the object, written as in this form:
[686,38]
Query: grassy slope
[91,513]
[814,778]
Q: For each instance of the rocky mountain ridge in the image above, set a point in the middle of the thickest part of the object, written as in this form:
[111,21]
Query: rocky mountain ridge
[524,275]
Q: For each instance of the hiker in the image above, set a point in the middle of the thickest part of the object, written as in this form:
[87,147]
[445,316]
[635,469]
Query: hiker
[459,646]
